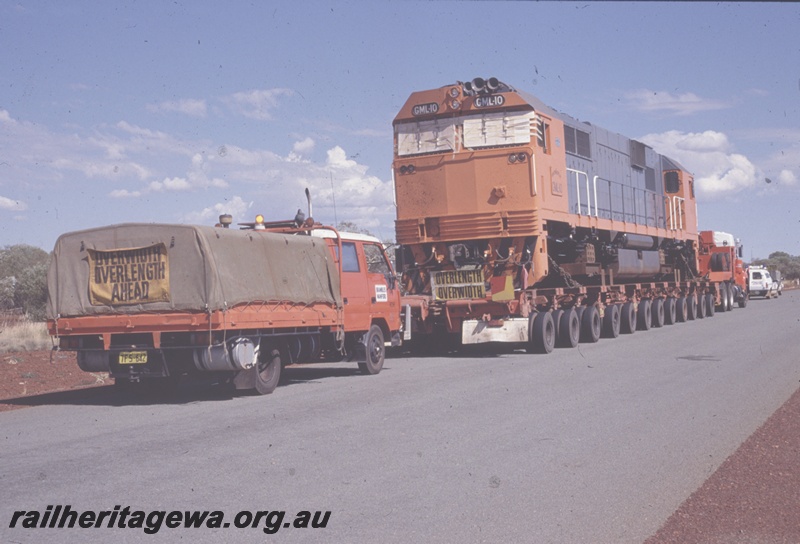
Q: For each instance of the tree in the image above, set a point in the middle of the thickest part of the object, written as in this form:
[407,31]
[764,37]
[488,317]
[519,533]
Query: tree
[23,279]
[789,265]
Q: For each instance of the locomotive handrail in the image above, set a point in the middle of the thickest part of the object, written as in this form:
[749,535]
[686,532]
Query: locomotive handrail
[578,175]
[675,209]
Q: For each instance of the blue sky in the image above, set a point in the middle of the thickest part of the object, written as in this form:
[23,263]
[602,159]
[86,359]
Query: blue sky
[150,111]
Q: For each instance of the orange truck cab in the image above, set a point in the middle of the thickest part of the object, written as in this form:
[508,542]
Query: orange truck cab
[720,260]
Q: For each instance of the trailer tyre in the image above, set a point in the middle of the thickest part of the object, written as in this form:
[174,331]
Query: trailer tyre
[681,310]
[591,325]
[267,371]
[658,313]
[691,307]
[644,315]
[710,309]
[611,321]
[374,351]
[702,306]
[628,318]
[569,329]
[670,312]
[543,333]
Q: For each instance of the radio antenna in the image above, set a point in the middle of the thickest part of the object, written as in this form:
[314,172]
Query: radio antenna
[333,196]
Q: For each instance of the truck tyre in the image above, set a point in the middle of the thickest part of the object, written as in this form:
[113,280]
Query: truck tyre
[691,307]
[374,351]
[542,334]
[628,318]
[723,297]
[681,310]
[657,312]
[743,300]
[590,325]
[670,312]
[569,329]
[267,371]
[644,315]
[611,321]
[732,292]
[710,308]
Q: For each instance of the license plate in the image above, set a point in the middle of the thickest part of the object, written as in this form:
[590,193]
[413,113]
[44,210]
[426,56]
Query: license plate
[132,357]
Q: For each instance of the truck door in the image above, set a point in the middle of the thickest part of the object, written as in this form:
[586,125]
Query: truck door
[381,286]
[355,294]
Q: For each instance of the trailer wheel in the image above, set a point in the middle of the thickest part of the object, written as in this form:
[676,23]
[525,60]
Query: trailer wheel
[590,325]
[557,322]
[611,321]
[644,315]
[267,371]
[374,351]
[658,312]
[569,329]
[542,337]
[723,297]
[681,310]
[710,309]
[670,312]
[702,306]
[628,318]
[691,307]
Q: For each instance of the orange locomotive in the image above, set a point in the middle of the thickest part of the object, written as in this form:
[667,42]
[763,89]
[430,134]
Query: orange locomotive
[520,223]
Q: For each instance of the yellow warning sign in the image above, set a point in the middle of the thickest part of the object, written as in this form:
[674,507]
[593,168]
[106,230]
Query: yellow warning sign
[129,276]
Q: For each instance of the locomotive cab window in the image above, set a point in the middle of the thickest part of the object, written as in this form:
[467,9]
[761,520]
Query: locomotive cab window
[672,182]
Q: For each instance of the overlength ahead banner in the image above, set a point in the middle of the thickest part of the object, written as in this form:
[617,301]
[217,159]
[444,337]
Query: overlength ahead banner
[129,276]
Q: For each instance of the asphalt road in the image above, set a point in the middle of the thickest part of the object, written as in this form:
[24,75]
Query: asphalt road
[598,444]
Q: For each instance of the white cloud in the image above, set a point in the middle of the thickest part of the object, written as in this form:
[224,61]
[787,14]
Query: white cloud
[257,103]
[787,178]
[236,207]
[717,171]
[187,106]
[303,147]
[169,184]
[664,101]
[12,205]
[124,193]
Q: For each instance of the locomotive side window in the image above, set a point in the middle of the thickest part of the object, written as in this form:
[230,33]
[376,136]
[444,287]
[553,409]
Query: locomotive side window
[672,182]
[543,135]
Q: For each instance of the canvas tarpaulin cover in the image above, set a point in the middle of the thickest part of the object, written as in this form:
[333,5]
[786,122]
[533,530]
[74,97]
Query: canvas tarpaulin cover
[132,268]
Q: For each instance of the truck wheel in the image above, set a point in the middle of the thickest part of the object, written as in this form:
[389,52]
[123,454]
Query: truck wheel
[374,351]
[681,310]
[710,308]
[644,315]
[657,312]
[590,325]
[569,329]
[542,334]
[743,300]
[723,297]
[670,312]
[267,371]
[628,319]
[611,321]
[732,290]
